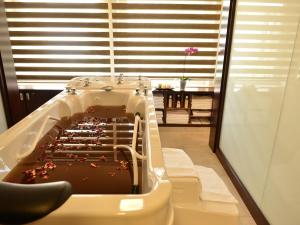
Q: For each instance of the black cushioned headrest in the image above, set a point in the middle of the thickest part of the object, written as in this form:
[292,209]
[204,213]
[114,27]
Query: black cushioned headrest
[23,203]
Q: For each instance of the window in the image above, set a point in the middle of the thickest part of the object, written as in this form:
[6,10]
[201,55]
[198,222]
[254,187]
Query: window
[61,39]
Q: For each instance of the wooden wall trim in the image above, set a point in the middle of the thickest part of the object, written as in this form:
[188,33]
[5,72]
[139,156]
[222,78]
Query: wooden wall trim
[220,92]
[14,111]
[253,208]
[4,94]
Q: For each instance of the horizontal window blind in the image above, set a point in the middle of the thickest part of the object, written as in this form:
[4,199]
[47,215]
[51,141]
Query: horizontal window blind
[263,39]
[222,40]
[61,39]
[150,37]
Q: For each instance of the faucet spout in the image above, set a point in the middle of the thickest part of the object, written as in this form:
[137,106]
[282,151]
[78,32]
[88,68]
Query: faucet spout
[120,78]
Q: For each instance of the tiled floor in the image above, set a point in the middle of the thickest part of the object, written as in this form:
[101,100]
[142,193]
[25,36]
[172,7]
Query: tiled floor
[194,140]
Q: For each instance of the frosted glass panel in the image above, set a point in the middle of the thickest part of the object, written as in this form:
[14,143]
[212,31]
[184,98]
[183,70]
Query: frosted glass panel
[281,201]
[261,53]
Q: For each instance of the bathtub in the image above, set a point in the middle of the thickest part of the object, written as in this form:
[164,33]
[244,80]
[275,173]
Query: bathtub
[151,207]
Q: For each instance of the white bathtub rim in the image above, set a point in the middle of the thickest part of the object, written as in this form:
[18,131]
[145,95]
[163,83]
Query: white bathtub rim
[160,178]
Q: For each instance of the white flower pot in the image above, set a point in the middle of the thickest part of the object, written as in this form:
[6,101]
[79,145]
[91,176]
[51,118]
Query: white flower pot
[182,84]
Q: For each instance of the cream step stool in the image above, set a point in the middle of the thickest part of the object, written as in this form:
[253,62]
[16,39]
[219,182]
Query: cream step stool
[199,194]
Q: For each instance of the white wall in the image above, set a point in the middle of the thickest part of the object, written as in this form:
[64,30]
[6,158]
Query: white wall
[260,137]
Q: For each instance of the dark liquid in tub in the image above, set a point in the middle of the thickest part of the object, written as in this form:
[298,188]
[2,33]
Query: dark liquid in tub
[79,150]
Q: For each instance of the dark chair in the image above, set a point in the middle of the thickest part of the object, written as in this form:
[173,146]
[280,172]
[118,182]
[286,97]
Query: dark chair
[24,203]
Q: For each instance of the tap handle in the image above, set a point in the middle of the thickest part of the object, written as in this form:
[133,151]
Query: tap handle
[68,89]
[73,91]
[145,90]
[137,91]
[86,82]
[121,78]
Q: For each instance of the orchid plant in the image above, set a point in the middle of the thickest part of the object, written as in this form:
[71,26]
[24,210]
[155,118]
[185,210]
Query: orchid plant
[188,51]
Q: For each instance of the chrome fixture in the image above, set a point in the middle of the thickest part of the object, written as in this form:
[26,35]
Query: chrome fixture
[68,89]
[141,85]
[145,90]
[73,91]
[137,92]
[120,78]
[86,82]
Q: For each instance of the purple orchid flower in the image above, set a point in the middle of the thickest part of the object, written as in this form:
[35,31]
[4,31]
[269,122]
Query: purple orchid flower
[191,51]
[188,51]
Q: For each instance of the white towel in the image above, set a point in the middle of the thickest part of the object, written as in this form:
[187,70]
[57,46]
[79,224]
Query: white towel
[202,121]
[177,116]
[196,121]
[159,115]
[213,187]
[160,121]
[201,102]
[178,121]
[158,102]
[201,113]
[201,106]
[178,163]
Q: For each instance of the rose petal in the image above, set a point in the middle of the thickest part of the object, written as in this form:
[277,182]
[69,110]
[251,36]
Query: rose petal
[103,158]
[112,174]
[93,165]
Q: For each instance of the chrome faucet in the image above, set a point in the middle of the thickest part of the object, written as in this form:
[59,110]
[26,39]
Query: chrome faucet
[137,92]
[120,78]
[68,89]
[141,85]
[86,82]
[145,90]
[73,91]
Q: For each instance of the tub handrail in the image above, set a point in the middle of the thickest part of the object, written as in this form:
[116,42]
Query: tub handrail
[134,154]
[136,130]
[134,165]
[37,138]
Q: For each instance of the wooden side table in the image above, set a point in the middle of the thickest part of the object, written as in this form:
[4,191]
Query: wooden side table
[171,98]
